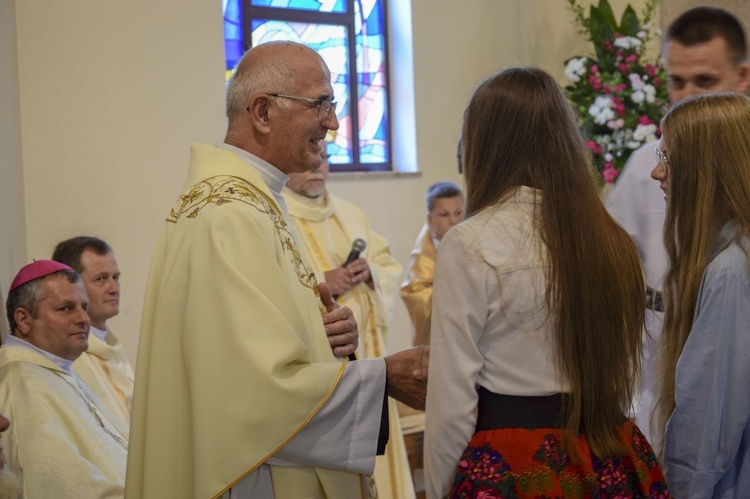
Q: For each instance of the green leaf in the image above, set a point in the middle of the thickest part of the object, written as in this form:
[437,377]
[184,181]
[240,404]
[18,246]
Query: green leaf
[606,11]
[629,25]
[600,32]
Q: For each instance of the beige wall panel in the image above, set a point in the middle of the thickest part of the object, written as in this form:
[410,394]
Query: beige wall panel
[670,9]
[12,213]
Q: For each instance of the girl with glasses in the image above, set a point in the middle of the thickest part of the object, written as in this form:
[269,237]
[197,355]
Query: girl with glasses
[705,401]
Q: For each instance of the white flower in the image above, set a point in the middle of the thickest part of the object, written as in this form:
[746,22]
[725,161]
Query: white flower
[616,124]
[650,92]
[641,34]
[633,144]
[635,81]
[575,68]
[608,157]
[645,133]
[601,110]
[638,96]
[627,42]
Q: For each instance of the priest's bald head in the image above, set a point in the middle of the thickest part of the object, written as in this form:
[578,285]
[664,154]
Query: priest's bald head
[46,307]
[280,105]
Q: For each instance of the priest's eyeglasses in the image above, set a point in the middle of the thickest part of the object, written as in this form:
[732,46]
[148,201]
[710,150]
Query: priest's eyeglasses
[661,157]
[324,106]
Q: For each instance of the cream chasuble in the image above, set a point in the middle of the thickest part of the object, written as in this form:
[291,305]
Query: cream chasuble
[233,361]
[106,370]
[328,225]
[59,441]
[416,291]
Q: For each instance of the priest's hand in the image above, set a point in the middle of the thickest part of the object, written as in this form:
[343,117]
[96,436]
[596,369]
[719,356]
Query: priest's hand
[407,376]
[361,270]
[340,280]
[344,279]
[341,328]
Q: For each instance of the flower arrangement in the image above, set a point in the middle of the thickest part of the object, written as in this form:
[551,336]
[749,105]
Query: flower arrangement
[619,97]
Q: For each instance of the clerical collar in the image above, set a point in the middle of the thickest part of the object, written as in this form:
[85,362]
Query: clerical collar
[99,333]
[15,341]
[274,178]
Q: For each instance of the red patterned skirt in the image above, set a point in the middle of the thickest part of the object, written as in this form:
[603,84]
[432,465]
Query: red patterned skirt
[508,459]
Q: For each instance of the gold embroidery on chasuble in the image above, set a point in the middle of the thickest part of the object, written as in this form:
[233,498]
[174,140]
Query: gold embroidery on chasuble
[225,189]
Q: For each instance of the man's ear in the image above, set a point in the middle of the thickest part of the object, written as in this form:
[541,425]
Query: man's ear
[23,320]
[744,81]
[258,111]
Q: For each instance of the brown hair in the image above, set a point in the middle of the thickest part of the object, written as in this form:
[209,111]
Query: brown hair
[705,138]
[520,131]
[703,24]
[71,250]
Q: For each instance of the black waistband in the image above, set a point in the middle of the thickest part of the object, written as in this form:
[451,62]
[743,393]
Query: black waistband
[496,411]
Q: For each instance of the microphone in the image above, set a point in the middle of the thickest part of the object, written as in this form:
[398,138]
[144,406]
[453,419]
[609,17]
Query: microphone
[358,246]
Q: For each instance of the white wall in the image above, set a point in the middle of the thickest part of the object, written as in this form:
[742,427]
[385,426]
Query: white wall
[12,214]
[113,93]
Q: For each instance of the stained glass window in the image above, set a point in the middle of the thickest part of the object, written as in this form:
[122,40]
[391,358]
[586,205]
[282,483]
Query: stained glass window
[350,35]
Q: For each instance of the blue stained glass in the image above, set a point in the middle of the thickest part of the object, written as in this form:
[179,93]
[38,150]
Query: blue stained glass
[233,38]
[373,131]
[317,5]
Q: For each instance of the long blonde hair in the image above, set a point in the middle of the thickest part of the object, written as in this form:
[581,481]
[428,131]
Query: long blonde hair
[520,130]
[707,142]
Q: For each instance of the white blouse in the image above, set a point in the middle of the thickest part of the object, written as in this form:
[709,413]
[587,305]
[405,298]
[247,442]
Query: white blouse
[489,328]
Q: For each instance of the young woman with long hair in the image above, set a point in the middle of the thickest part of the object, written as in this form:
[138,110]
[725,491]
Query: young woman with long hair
[537,314]
[704,170]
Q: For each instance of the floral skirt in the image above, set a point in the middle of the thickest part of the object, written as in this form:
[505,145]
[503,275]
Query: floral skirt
[531,463]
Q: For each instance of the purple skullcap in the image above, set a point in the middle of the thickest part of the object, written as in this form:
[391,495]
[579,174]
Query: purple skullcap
[35,270]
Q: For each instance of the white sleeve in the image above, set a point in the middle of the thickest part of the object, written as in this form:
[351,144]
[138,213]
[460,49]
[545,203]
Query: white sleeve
[344,433]
[459,314]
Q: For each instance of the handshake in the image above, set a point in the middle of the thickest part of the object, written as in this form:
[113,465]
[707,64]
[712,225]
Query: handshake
[406,373]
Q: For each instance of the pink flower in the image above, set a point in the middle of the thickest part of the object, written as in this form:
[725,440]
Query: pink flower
[595,83]
[650,70]
[487,494]
[622,67]
[594,68]
[631,58]
[645,120]
[594,147]
[657,82]
[608,45]
[619,106]
[610,173]
[619,87]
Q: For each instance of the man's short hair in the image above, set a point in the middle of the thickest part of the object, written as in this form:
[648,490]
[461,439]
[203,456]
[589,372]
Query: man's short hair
[703,24]
[441,190]
[70,251]
[260,77]
[29,295]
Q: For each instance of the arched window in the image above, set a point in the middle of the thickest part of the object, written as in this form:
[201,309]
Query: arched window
[350,35]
